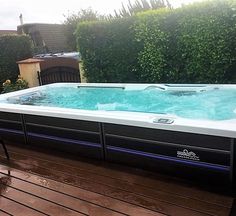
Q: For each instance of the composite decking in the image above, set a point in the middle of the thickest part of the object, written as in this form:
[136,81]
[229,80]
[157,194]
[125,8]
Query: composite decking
[36,183]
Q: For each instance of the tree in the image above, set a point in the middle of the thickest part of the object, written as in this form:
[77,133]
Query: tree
[71,23]
[141,5]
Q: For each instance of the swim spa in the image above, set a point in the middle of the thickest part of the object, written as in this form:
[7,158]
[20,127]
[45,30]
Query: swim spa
[182,129]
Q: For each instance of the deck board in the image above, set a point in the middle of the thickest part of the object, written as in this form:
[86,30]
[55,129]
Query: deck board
[146,179]
[3,213]
[170,205]
[39,204]
[79,193]
[80,188]
[111,191]
[66,201]
[14,208]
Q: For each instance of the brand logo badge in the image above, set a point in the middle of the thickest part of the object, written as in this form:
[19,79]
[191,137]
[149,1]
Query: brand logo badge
[185,154]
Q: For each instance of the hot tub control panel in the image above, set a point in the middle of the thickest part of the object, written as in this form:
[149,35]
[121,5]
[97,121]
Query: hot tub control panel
[163,121]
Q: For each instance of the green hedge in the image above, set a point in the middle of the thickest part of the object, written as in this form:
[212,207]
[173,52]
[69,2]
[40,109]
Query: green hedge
[109,50]
[153,33]
[12,49]
[192,44]
[206,39]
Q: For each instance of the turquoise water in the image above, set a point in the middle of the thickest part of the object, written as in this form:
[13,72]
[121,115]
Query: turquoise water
[212,104]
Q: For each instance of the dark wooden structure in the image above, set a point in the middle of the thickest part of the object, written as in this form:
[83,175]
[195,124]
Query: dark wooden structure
[58,74]
[35,183]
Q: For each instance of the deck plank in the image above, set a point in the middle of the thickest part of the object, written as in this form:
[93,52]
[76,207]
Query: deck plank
[160,183]
[59,198]
[3,213]
[38,204]
[157,200]
[14,208]
[142,201]
[79,193]
[127,187]
[98,188]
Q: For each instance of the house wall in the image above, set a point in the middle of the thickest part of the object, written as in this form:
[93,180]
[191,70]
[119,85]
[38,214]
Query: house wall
[46,37]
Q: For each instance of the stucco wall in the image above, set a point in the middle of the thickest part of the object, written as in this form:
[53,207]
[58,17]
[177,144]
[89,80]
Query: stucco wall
[29,73]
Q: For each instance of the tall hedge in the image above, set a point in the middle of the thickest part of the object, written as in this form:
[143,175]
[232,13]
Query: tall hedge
[207,42]
[109,50]
[12,49]
[152,31]
[192,44]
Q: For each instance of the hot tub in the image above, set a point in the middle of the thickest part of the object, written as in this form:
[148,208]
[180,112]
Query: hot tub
[188,130]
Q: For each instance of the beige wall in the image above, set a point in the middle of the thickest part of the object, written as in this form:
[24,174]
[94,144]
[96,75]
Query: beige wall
[82,76]
[29,73]
[29,68]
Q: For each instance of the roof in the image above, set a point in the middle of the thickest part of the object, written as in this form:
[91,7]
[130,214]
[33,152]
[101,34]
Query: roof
[7,32]
[29,61]
[53,35]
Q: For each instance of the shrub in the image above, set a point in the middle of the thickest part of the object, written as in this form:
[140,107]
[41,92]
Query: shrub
[109,50]
[71,22]
[20,84]
[139,6]
[12,49]
[155,39]
[192,44]
[206,41]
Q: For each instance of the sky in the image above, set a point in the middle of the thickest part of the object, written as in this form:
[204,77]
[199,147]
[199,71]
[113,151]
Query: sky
[54,11]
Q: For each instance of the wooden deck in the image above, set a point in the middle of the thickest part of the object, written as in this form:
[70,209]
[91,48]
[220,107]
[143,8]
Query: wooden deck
[34,183]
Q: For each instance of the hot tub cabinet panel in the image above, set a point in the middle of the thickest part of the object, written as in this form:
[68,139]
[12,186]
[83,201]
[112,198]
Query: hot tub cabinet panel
[12,127]
[73,136]
[166,136]
[77,125]
[152,162]
[213,156]
[173,152]
[191,155]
